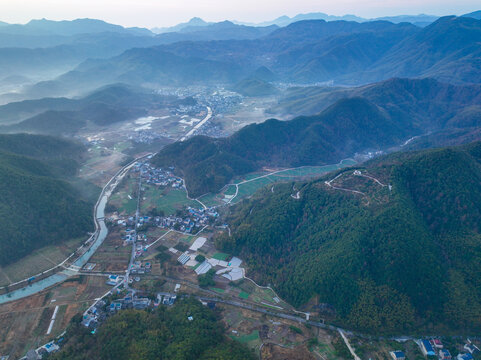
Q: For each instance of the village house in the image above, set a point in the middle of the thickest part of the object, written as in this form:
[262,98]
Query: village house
[426,348]
[397,355]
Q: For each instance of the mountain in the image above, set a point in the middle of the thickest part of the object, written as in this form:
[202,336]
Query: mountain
[165,333]
[418,20]
[69,28]
[15,112]
[308,52]
[49,56]
[447,50]
[347,127]
[55,116]
[152,65]
[255,87]
[285,52]
[376,117]
[224,30]
[475,15]
[389,259]
[264,74]
[194,22]
[421,20]
[38,206]
[286,20]
[410,97]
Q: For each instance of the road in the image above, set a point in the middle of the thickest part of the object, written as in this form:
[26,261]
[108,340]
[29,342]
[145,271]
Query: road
[132,254]
[328,183]
[199,125]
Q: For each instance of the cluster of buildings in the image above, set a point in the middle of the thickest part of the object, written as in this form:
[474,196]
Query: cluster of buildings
[231,269]
[156,176]
[145,136]
[102,309]
[469,350]
[211,129]
[435,348]
[165,299]
[192,109]
[189,221]
[43,350]
[139,268]
[220,100]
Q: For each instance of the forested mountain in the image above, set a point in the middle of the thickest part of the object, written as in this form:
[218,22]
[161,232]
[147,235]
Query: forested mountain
[165,333]
[254,87]
[305,52]
[38,207]
[447,50]
[399,255]
[370,118]
[474,15]
[406,97]
[107,105]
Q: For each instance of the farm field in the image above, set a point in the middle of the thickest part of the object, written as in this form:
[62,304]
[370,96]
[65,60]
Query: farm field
[250,183]
[210,200]
[168,200]
[25,322]
[125,198]
[101,165]
[40,260]
[111,255]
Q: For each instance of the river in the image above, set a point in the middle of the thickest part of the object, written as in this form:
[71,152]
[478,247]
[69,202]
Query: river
[64,274]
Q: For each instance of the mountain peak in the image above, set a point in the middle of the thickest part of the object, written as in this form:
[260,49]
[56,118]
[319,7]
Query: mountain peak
[196,21]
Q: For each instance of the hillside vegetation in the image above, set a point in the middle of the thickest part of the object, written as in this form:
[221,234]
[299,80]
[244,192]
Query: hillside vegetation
[393,260]
[162,334]
[374,117]
[38,207]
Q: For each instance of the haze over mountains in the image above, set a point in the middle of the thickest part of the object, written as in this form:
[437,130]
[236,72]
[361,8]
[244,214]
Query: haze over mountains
[347,53]
[63,116]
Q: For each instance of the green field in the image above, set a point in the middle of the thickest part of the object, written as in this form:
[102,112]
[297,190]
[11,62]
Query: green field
[249,188]
[220,291]
[167,200]
[188,239]
[249,176]
[220,256]
[230,190]
[122,146]
[210,200]
[243,295]
[247,338]
[121,200]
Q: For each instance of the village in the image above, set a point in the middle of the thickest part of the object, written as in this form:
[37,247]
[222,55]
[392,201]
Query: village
[155,256]
[433,348]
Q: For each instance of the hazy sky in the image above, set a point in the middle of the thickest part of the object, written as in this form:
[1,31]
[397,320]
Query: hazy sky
[151,13]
